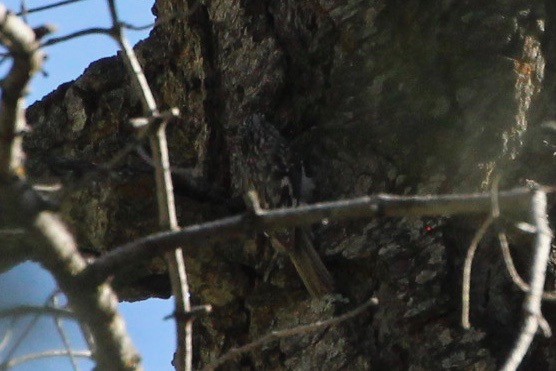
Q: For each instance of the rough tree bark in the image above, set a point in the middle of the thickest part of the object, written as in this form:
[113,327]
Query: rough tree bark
[406,97]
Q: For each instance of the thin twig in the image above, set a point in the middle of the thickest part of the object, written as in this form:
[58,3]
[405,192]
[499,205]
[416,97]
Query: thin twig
[20,339]
[9,333]
[466,281]
[512,271]
[12,231]
[130,59]
[24,11]
[503,240]
[49,6]
[281,334]
[62,332]
[196,311]
[150,127]
[466,284]
[505,247]
[146,127]
[25,332]
[80,33]
[47,354]
[509,262]
[533,299]
[133,27]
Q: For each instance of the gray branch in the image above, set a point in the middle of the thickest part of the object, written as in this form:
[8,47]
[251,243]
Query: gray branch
[48,354]
[25,310]
[165,195]
[281,334]
[240,226]
[532,305]
[54,247]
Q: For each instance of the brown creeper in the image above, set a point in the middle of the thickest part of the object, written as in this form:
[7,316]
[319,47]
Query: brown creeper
[261,161]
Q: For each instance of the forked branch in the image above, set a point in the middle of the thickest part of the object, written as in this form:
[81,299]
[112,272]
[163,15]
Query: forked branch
[532,305]
[54,247]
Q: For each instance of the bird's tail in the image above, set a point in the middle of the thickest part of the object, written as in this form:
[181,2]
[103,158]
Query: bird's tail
[309,265]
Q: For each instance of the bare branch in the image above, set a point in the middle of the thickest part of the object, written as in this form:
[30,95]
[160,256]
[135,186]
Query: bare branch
[165,196]
[80,33]
[466,284]
[55,247]
[36,315]
[145,128]
[533,299]
[503,240]
[512,271]
[246,224]
[48,354]
[132,27]
[12,231]
[505,248]
[195,311]
[62,332]
[9,354]
[148,126]
[27,59]
[95,306]
[49,6]
[23,12]
[506,253]
[281,334]
[509,262]
[138,77]
[8,334]
[24,310]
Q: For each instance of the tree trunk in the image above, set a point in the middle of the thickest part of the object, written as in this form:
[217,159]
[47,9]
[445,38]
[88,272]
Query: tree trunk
[404,97]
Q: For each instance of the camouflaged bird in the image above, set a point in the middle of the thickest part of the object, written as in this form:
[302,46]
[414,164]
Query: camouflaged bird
[261,161]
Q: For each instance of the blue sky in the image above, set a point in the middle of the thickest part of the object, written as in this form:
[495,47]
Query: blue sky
[28,284]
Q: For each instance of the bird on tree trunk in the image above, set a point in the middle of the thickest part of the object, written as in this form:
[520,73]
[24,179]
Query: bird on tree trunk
[261,161]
